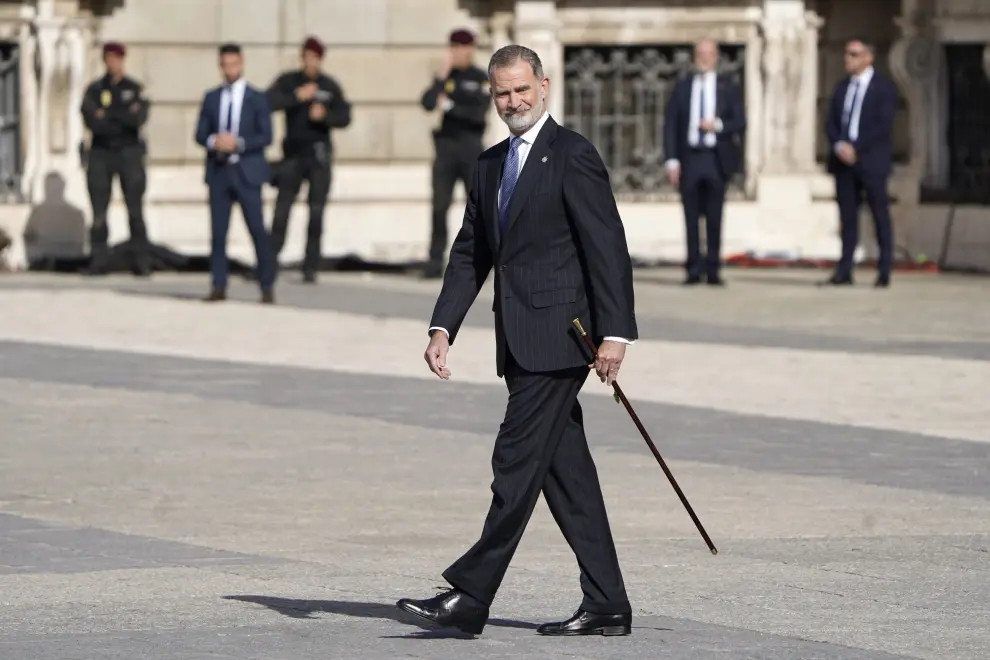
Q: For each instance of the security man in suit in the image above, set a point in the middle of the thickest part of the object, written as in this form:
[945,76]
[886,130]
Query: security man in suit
[460,93]
[314,104]
[859,128]
[114,110]
[702,134]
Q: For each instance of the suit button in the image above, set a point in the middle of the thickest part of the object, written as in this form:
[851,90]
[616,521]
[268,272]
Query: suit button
[502,268]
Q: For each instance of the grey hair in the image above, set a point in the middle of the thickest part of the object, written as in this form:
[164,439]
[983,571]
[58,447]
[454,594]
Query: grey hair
[509,55]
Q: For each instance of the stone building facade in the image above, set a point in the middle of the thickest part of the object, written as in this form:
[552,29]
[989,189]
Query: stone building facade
[611,64]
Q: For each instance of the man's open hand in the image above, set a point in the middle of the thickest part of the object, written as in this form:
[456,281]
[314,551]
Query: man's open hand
[608,360]
[436,354]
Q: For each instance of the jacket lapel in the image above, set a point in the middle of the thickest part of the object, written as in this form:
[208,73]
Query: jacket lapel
[533,169]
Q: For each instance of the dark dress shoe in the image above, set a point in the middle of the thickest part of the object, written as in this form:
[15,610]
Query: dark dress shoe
[216,295]
[588,623]
[716,281]
[691,280]
[309,277]
[268,297]
[883,281]
[450,609]
[837,280]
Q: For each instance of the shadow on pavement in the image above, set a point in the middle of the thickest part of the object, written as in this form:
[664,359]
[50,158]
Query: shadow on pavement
[305,609]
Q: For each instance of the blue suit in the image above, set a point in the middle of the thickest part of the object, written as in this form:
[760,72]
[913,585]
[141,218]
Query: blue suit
[239,182]
[705,171]
[869,174]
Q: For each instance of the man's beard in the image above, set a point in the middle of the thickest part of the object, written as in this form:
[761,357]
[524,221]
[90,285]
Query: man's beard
[522,121]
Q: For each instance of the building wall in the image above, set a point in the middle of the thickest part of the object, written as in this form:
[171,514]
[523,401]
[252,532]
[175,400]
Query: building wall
[383,52]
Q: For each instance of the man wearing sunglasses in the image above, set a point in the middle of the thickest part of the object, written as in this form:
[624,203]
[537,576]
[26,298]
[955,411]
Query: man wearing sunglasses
[859,126]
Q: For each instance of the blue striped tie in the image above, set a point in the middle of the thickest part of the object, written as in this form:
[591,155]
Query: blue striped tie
[510,173]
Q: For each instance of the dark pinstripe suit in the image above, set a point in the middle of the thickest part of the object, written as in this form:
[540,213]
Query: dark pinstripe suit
[563,256]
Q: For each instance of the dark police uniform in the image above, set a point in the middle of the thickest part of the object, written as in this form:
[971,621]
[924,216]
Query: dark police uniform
[115,112]
[457,143]
[307,154]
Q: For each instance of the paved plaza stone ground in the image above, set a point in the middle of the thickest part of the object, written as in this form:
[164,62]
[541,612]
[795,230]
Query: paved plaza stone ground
[181,480]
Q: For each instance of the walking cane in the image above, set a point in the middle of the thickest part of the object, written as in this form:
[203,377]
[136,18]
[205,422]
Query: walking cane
[620,397]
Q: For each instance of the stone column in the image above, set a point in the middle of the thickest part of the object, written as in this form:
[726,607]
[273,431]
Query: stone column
[75,39]
[536,26]
[917,63]
[790,86]
[500,25]
[29,102]
[46,39]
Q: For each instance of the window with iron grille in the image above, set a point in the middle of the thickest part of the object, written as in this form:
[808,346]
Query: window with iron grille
[10,124]
[616,97]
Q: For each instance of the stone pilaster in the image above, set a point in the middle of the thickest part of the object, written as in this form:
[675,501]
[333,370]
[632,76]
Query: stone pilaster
[536,27]
[917,63]
[789,68]
[500,26]
[53,72]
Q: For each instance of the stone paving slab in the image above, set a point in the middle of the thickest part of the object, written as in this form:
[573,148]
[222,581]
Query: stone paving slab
[195,505]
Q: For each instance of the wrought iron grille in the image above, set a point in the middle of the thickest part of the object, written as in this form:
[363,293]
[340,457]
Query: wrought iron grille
[616,97]
[10,124]
[969,124]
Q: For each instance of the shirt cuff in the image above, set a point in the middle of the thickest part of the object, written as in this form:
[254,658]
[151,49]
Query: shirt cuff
[211,142]
[718,125]
[443,330]
[240,145]
[672,164]
[621,340]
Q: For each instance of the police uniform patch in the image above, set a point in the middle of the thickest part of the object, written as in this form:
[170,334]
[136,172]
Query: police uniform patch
[106,98]
[450,86]
[127,95]
[471,85]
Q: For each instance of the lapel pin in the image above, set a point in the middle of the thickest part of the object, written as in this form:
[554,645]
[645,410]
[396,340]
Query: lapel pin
[544,159]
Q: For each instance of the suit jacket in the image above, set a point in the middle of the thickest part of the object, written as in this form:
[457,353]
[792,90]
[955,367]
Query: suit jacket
[563,255]
[255,131]
[874,145]
[728,108]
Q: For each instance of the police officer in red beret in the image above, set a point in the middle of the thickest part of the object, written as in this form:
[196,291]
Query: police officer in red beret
[314,104]
[114,109]
[460,93]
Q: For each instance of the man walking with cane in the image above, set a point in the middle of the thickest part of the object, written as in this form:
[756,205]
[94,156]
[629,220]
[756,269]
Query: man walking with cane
[541,213]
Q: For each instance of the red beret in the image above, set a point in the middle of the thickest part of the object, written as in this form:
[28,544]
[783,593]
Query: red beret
[114,47]
[313,44]
[462,37]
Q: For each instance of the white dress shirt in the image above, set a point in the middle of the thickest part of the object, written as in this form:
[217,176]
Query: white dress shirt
[528,139]
[854,111]
[708,82]
[231,94]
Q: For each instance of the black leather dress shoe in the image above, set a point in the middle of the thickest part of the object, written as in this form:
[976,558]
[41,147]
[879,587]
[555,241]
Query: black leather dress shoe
[691,280]
[837,280]
[883,281]
[715,281]
[450,609]
[588,623]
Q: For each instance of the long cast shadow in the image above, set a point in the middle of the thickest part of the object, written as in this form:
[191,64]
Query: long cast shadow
[305,609]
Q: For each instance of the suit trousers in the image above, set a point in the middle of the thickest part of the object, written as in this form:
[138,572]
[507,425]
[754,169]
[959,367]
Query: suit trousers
[703,194]
[541,446]
[850,188]
[226,188]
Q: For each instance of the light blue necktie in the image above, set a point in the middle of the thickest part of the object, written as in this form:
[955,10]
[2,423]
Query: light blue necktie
[510,174]
[847,118]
